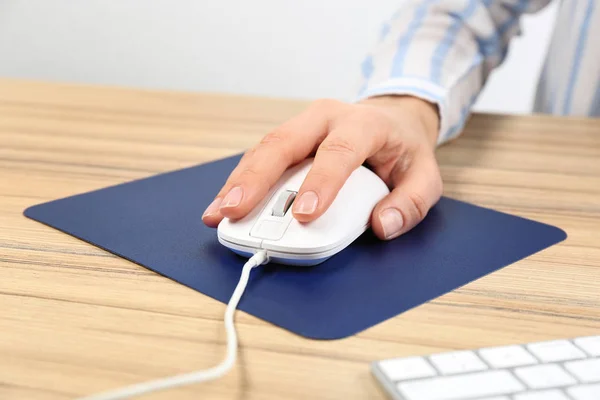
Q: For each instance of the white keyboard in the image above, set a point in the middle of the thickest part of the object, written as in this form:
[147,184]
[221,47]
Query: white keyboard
[553,370]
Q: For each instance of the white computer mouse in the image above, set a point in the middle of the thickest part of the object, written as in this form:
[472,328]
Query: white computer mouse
[271,226]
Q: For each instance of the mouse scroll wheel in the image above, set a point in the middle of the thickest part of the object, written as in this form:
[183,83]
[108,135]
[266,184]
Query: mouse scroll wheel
[283,203]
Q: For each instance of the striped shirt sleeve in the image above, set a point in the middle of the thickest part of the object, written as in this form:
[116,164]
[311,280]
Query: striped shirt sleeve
[443,51]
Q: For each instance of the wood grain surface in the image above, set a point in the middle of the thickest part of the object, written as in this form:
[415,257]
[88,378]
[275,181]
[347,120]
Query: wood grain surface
[75,320]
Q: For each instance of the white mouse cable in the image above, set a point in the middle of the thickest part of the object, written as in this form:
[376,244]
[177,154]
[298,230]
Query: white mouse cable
[198,376]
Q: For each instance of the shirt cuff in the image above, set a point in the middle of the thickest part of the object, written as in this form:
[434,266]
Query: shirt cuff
[416,87]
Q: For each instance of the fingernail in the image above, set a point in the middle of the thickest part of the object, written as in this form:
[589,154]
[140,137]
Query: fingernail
[213,208]
[307,203]
[233,198]
[392,222]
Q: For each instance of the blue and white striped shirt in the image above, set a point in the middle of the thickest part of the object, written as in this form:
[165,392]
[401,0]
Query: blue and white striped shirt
[444,50]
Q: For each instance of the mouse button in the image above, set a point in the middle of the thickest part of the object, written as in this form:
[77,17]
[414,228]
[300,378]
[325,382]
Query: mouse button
[302,238]
[269,229]
[283,203]
[232,233]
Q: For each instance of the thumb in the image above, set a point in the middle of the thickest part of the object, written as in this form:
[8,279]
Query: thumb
[415,191]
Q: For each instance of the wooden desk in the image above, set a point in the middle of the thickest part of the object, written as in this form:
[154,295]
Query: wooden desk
[75,320]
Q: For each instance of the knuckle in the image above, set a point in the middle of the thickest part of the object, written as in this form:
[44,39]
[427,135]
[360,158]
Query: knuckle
[340,146]
[343,152]
[249,171]
[421,207]
[277,146]
[274,146]
[320,177]
[274,137]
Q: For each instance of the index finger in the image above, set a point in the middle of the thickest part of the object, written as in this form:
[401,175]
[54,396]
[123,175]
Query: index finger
[261,167]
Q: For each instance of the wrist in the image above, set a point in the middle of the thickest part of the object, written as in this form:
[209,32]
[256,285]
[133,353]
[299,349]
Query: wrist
[427,112]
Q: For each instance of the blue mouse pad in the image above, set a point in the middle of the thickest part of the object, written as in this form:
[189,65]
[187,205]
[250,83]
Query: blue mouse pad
[156,222]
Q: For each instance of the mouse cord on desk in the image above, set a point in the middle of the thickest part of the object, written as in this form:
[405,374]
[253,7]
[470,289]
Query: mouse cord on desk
[198,376]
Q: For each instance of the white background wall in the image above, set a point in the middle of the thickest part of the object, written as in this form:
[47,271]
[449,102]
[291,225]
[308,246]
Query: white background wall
[282,48]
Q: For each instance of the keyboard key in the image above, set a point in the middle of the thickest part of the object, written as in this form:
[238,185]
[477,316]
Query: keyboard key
[587,371]
[406,368]
[585,392]
[590,345]
[555,350]
[544,376]
[507,356]
[542,395]
[478,384]
[457,362]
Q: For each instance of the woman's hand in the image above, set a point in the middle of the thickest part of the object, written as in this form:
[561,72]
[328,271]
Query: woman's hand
[395,135]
